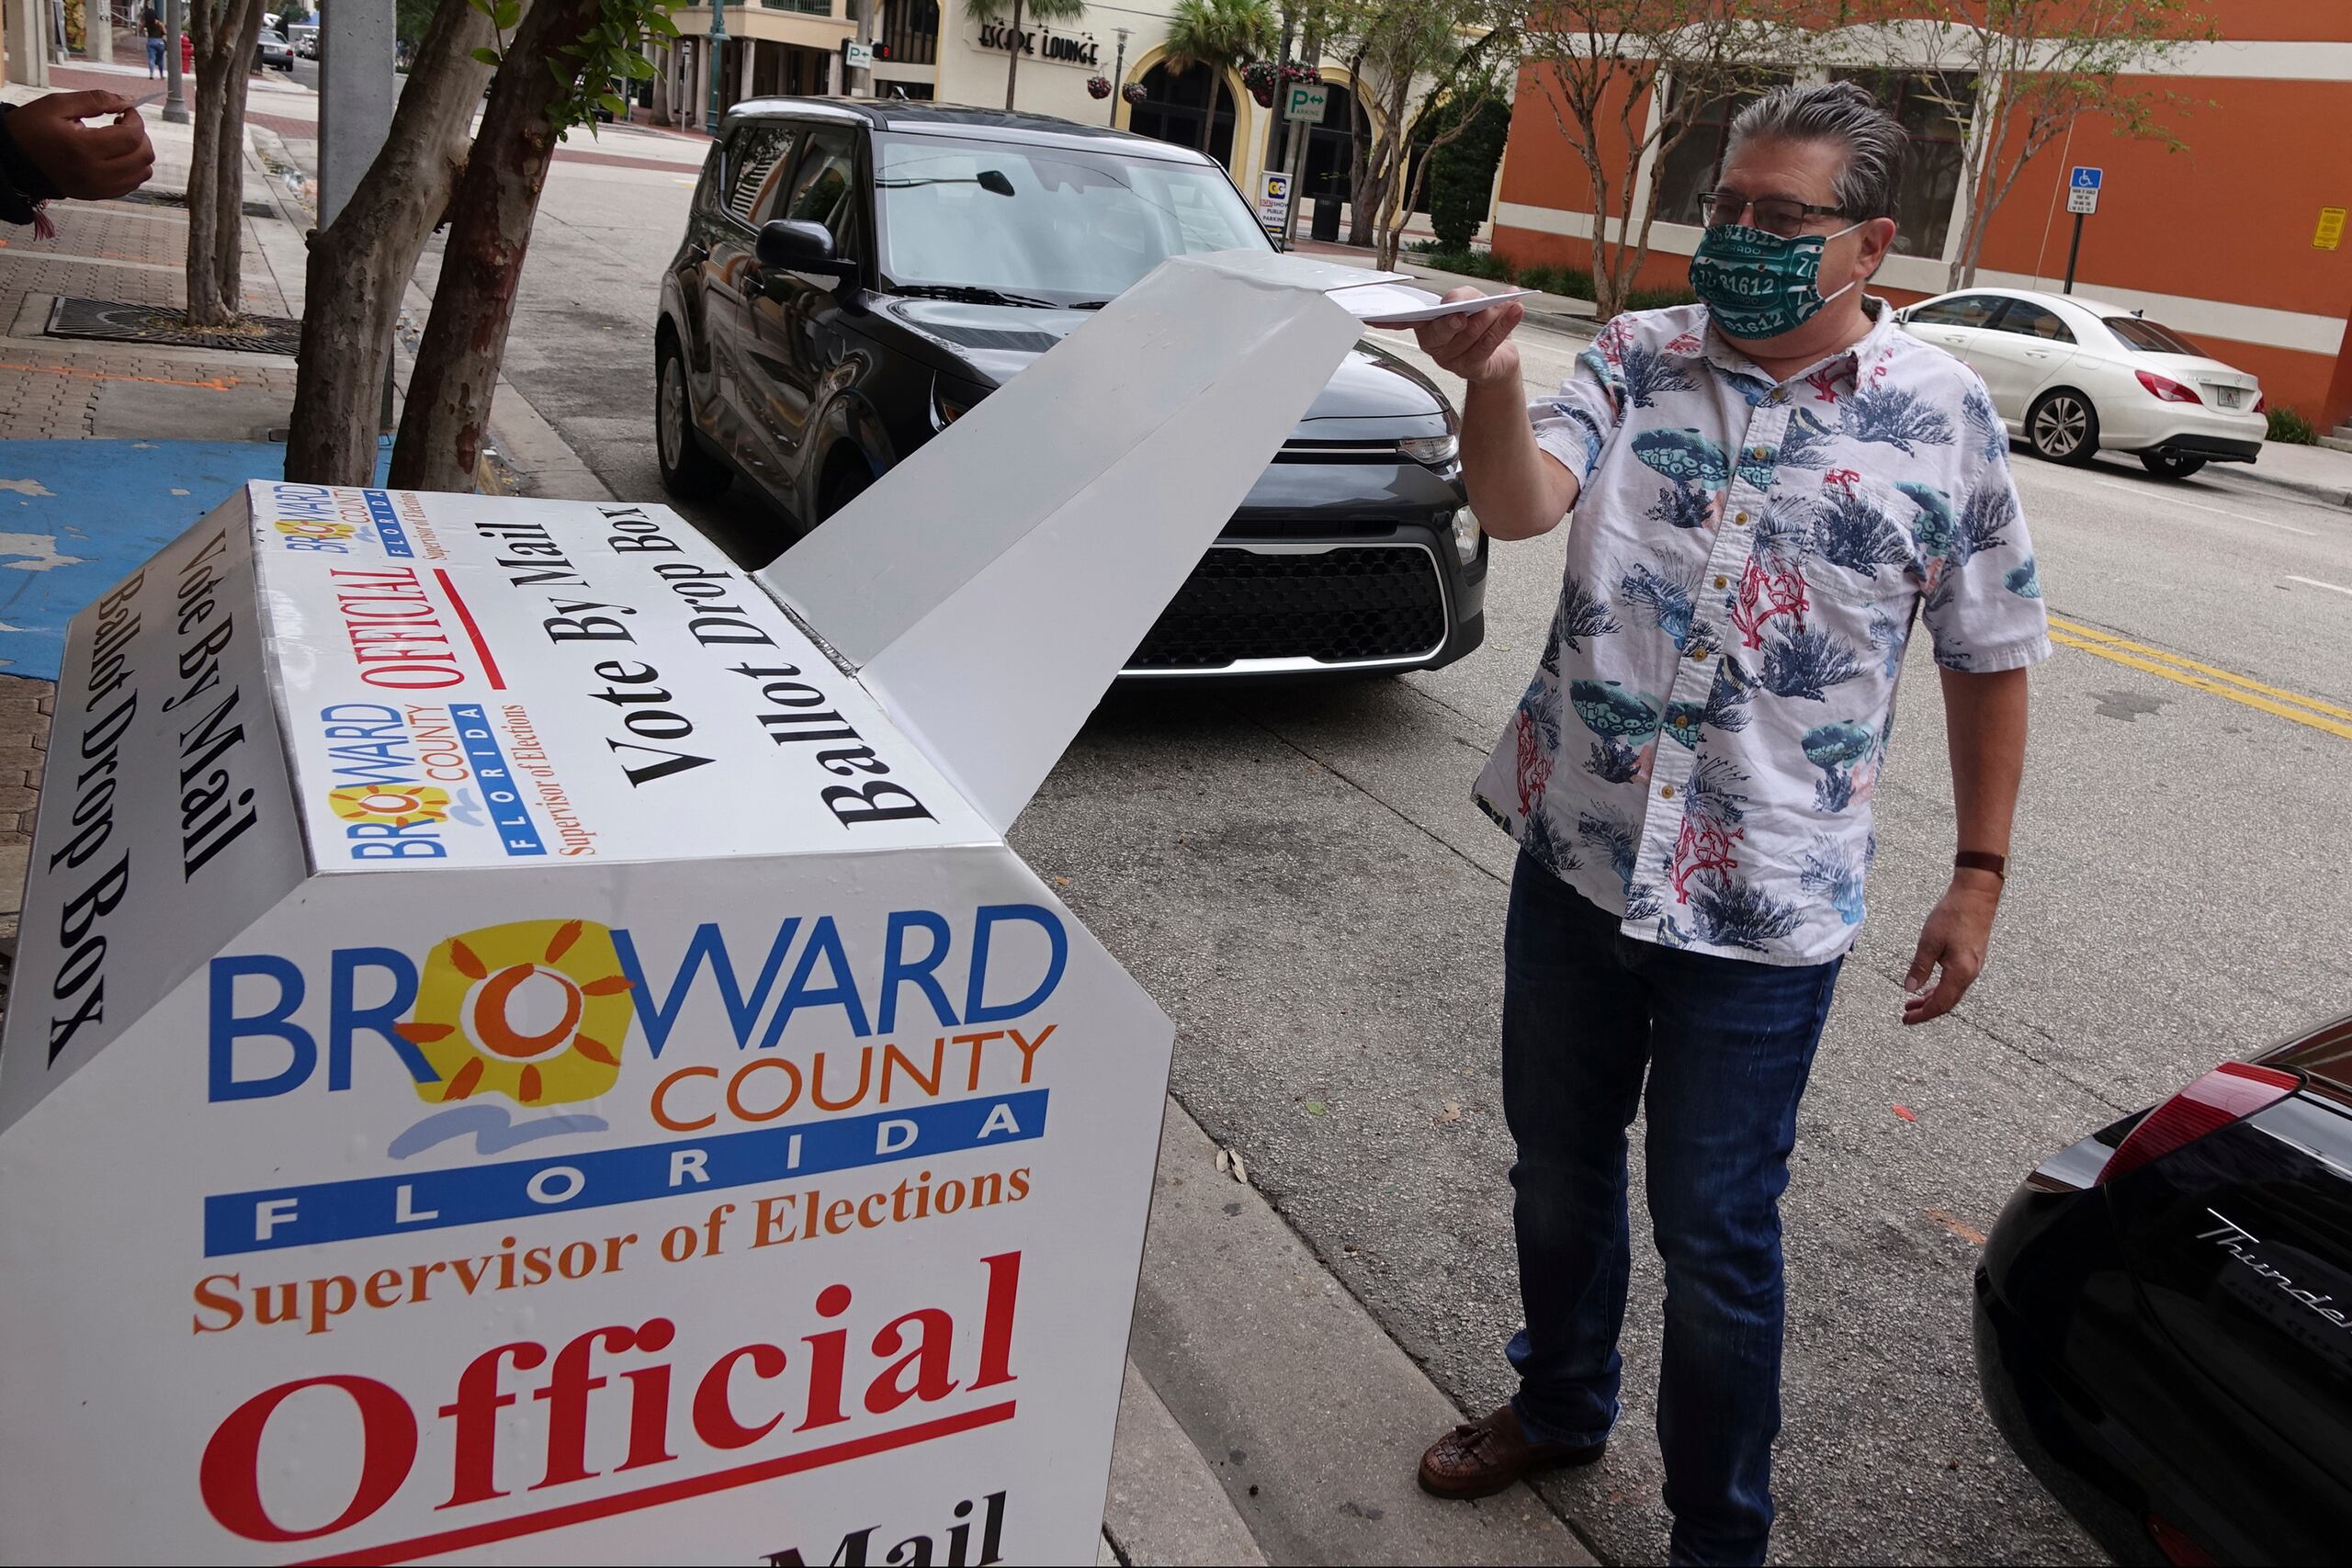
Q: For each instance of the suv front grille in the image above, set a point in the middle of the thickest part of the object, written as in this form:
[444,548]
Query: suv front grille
[1350,606]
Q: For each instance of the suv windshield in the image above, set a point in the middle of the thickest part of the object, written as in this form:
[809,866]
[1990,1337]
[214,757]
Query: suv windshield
[1078,228]
[2148,338]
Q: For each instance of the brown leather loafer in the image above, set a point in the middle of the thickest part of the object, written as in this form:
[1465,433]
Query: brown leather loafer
[1480,1457]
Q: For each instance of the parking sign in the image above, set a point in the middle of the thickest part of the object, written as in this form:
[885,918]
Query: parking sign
[2082,190]
[1306,100]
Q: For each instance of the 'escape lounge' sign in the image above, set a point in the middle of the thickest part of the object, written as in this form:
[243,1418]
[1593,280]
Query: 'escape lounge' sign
[1081,50]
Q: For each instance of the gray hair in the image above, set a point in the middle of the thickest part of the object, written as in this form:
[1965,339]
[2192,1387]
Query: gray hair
[1842,112]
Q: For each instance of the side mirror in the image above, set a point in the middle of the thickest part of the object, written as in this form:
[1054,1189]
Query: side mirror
[797,245]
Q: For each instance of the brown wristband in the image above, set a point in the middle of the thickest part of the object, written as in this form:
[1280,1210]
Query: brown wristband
[1983,860]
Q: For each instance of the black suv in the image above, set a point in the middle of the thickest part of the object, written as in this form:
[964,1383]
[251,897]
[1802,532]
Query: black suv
[857,273]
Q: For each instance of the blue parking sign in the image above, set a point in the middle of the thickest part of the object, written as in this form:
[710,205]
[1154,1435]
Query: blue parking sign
[2086,180]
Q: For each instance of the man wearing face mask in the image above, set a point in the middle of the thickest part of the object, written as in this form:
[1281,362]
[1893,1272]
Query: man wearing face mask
[1762,493]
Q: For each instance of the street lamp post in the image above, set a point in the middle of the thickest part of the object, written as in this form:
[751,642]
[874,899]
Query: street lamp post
[174,98]
[1118,76]
[717,61]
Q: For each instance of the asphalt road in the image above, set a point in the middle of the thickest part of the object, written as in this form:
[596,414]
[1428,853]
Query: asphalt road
[1300,878]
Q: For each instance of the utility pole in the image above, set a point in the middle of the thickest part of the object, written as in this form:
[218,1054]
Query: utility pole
[175,87]
[858,81]
[1311,52]
[715,65]
[358,89]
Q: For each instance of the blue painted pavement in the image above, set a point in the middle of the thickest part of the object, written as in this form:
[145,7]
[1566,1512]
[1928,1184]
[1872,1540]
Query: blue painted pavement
[76,517]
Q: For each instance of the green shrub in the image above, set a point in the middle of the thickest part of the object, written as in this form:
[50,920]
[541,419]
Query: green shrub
[1572,281]
[1462,172]
[1469,264]
[1657,299]
[2292,428]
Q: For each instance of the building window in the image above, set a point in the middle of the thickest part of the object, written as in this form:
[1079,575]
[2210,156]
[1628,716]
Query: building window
[1692,165]
[911,31]
[1174,105]
[806,7]
[1939,147]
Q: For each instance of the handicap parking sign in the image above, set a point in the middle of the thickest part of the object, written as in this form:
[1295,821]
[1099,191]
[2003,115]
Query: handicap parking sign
[2086,180]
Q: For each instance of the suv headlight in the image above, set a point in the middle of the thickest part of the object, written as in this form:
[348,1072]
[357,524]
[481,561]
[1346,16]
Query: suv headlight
[1435,450]
[1465,534]
[947,407]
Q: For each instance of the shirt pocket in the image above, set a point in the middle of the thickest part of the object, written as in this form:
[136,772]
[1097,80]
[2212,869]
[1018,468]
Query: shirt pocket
[1862,552]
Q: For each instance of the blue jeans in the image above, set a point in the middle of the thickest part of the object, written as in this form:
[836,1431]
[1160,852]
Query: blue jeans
[1726,1045]
[155,57]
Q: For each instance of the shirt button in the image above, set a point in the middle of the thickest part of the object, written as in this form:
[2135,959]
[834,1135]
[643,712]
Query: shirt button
[1698,655]
[1741,519]
[1723,582]
[1666,792]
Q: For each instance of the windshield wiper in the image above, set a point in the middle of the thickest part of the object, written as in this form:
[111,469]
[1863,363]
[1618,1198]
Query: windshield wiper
[971,294]
[1087,305]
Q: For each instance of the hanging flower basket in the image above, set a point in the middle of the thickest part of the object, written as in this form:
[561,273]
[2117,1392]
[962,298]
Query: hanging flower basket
[1098,86]
[1133,92]
[1265,78]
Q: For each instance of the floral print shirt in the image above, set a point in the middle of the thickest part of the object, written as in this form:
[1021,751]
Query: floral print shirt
[1746,559]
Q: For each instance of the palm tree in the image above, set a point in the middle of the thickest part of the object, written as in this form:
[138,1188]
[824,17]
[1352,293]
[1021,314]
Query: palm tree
[1219,34]
[1037,11]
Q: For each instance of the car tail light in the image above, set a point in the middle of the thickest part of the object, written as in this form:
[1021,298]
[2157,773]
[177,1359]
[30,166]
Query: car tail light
[2167,389]
[2174,1542]
[2262,403]
[2231,1092]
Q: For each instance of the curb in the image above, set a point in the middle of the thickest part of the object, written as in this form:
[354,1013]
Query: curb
[2326,494]
[1307,1414]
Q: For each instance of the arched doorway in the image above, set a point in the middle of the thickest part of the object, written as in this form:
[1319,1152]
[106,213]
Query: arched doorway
[1174,106]
[1328,145]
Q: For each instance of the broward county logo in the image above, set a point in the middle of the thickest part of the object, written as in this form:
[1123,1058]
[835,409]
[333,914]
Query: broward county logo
[314,529]
[536,1011]
[394,804]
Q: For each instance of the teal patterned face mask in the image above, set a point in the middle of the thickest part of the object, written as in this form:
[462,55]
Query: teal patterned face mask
[1757,284]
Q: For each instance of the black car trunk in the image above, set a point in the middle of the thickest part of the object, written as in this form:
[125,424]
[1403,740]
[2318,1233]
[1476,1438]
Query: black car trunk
[2240,1244]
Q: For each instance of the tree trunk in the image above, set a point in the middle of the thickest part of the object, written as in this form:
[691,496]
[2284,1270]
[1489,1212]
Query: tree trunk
[360,265]
[1208,116]
[447,413]
[1012,57]
[659,113]
[224,32]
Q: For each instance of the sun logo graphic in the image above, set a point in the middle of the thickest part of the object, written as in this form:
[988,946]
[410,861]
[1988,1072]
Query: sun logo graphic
[536,1011]
[397,806]
[314,529]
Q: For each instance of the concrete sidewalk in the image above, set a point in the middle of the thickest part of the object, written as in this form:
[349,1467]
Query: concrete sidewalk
[113,447]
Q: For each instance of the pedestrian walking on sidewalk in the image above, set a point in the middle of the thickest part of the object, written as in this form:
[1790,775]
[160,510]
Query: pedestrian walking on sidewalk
[1762,491]
[153,25]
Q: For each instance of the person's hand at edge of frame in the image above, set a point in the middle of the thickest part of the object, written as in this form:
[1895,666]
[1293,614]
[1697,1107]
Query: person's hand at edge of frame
[90,162]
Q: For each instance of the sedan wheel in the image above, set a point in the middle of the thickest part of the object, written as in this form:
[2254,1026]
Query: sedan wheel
[2064,427]
[2165,466]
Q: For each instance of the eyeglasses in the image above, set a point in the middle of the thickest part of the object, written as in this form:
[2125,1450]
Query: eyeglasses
[1774,214]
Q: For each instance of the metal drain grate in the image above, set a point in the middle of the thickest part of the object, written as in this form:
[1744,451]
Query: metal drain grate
[115,321]
[180,199]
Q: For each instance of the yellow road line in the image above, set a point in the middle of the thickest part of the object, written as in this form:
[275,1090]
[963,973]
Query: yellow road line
[2203,685]
[2111,640]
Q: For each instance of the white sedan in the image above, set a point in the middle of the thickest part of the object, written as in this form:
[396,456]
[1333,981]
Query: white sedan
[2074,377]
